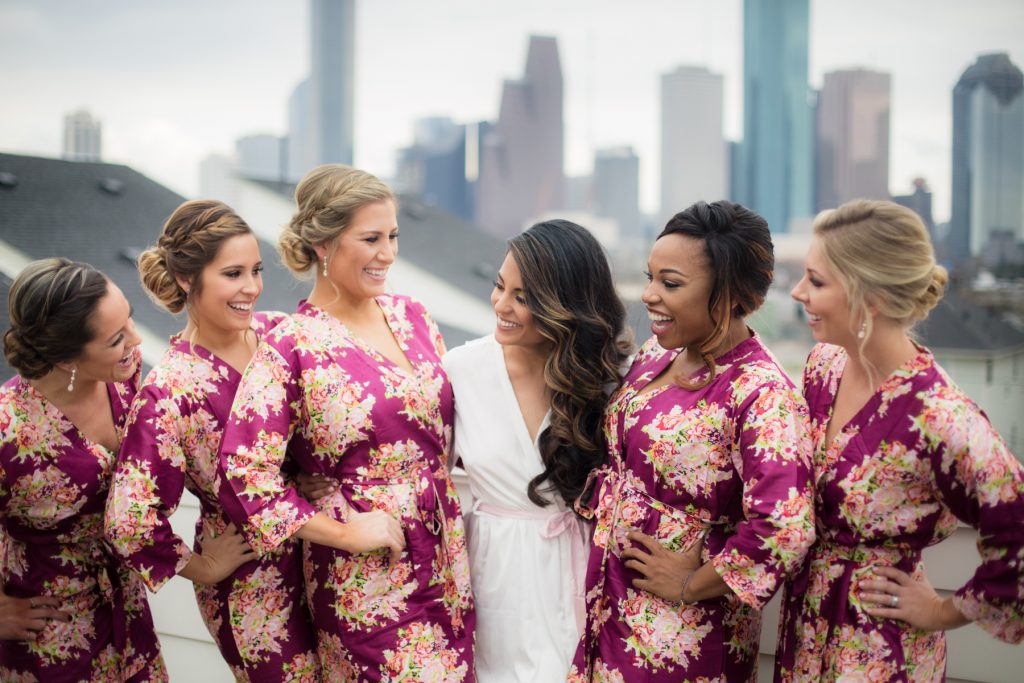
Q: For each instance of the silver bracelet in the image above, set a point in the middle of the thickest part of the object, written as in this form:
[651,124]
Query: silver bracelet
[682,594]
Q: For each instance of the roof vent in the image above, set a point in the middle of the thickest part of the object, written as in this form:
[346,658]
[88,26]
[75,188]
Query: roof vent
[8,179]
[112,186]
[130,254]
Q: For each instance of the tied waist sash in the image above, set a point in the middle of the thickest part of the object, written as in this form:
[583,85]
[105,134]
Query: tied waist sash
[93,559]
[557,524]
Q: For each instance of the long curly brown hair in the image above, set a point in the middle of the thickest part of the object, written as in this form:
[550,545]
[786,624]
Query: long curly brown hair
[568,287]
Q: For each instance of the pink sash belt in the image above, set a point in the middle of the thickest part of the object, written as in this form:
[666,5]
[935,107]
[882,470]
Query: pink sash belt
[558,523]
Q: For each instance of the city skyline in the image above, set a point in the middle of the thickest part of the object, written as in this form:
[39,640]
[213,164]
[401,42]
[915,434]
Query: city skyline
[168,99]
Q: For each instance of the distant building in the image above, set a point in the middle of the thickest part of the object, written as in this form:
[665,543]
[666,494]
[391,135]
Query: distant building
[777,156]
[262,156]
[988,156]
[694,153]
[83,137]
[521,171]
[440,166]
[853,137]
[321,109]
[301,152]
[920,201]
[616,189]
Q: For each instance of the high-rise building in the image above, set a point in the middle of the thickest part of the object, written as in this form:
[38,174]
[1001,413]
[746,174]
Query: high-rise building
[920,201]
[616,188]
[521,171]
[435,166]
[694,152]
[988,157]
[332,79]
[302,154]
[83,137]
[853,137]
[777,175]
[321,108]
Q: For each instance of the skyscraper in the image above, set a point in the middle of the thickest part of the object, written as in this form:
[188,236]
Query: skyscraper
[694,153]
[776,178]
[302,154]
[332,79]
[616,188]
[434,166]
[988,156]
[83,137]
[853,137]
[321,108]
[521,170]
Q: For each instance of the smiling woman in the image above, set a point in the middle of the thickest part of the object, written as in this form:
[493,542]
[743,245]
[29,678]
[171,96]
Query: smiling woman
[350,387]
[68,609]
[206,262]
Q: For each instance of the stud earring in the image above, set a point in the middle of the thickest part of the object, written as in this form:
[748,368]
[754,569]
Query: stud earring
[71,384]
[325,266]
[863,331]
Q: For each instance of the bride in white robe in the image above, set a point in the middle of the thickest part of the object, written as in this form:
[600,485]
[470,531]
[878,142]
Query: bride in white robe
[556,343]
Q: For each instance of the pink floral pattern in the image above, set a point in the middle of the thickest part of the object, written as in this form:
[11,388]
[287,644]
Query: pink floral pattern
[317,394]
[917,457]
[53,487]
[257,616]
[729,462]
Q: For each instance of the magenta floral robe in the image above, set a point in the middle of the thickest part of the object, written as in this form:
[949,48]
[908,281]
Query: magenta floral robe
[730,460]
[257,616]
[918,456]
[383,434]
[53,487]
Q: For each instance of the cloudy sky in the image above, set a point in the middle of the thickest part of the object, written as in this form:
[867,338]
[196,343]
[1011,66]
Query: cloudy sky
[175,81]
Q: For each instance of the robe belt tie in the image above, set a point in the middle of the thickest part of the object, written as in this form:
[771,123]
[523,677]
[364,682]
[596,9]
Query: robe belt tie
[558,524]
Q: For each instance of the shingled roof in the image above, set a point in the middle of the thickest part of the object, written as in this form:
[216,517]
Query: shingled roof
[960,326]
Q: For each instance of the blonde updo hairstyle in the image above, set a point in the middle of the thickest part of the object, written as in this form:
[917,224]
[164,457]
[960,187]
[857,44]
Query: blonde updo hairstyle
[50,304]
[883,255]
[326,200]
[191,238]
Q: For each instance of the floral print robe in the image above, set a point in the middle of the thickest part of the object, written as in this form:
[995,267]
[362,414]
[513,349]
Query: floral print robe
[257,616]
[729,462]
[53,487]
[918,456]
[383,435]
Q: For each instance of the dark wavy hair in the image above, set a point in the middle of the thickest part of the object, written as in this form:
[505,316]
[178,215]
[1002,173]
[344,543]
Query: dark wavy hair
[568,288]
[741,258]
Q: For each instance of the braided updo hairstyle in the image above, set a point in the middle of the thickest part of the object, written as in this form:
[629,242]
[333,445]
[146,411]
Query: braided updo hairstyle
[326,200]
[191,238]
[50,304]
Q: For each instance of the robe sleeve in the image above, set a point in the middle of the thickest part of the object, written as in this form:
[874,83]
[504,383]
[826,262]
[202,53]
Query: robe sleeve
[255,495]
[146,488]
[772,453]
[982,483]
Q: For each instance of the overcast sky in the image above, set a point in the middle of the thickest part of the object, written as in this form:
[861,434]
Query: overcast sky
[175,81]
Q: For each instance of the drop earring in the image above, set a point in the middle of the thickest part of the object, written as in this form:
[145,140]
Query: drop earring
[863,331]
[71,384]
[325,266]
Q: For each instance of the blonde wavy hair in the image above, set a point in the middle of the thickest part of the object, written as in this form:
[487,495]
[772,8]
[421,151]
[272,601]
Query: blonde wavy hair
[326,200]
